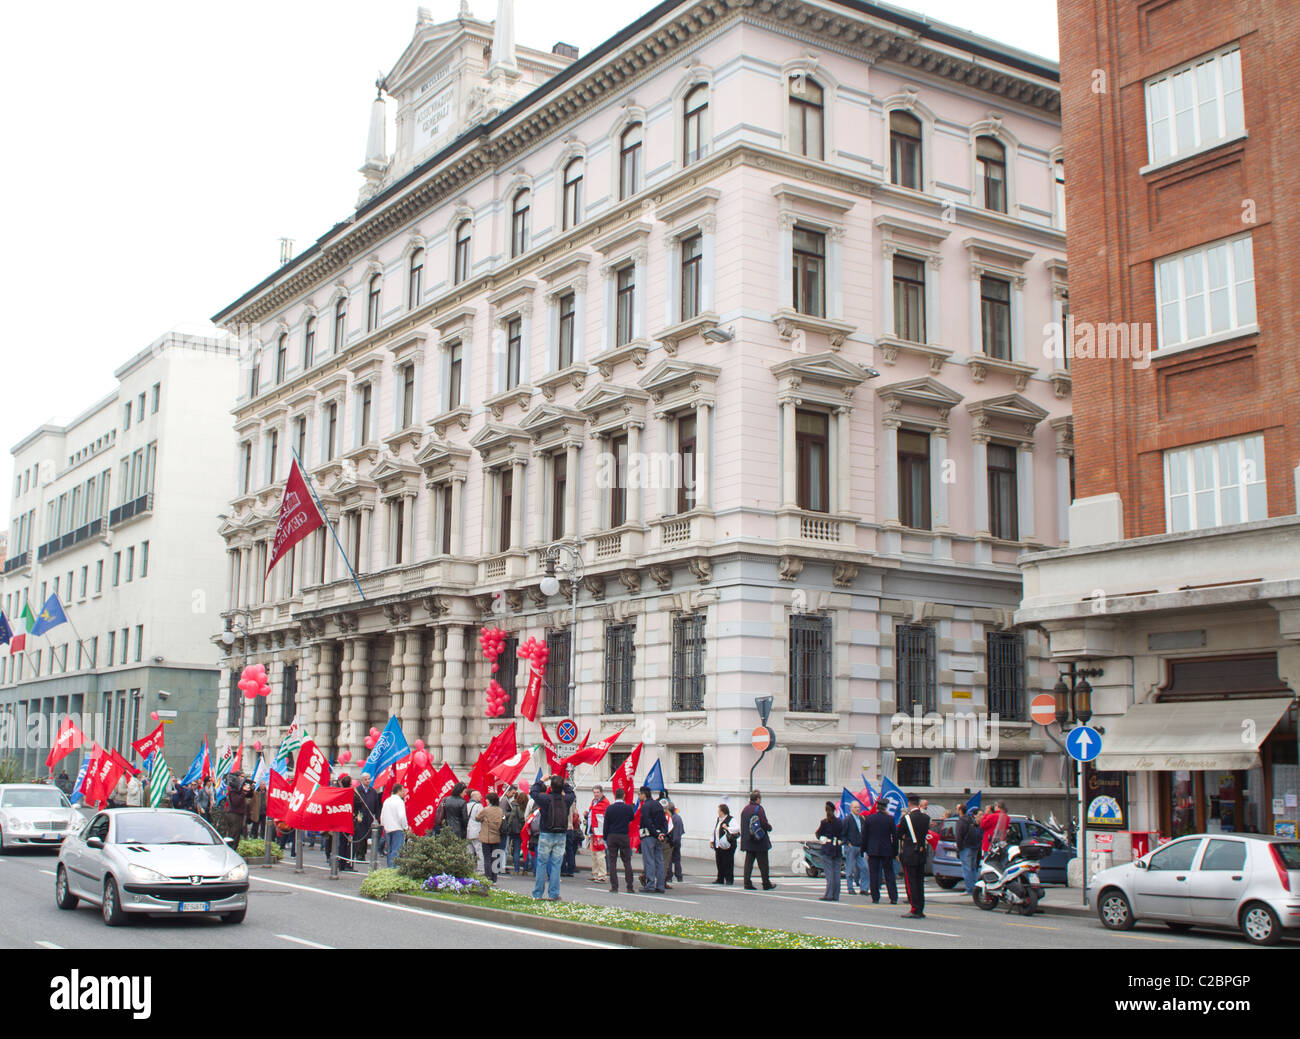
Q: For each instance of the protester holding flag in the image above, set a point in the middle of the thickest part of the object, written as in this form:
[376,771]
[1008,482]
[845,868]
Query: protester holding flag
[595,825]
[554,805]
[723,844]
[367,804]
[853,860]
[880,845]
[513,804]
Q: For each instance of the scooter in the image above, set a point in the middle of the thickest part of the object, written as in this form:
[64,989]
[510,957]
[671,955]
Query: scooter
[1008,875]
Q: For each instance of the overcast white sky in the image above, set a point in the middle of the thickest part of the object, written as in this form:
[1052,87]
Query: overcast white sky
[157,152]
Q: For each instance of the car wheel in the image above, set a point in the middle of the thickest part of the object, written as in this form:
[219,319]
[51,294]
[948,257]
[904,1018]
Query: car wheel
[1114,911]
[1178,928]
[114,914]
[1260,925]
[947,883]
[63,897]
[237,917]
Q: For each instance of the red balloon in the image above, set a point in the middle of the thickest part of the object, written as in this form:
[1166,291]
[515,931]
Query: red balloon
[419,744]
[342,775]
[374,732]
[370,743]
[257,746]
[153,715]
[420,759]
[346,756]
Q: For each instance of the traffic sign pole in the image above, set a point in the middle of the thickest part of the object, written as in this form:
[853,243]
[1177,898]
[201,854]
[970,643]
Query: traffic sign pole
[1083,838]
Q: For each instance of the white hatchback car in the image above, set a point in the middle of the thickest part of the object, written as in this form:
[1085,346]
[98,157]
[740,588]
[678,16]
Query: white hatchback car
[34,815]
[1247,882]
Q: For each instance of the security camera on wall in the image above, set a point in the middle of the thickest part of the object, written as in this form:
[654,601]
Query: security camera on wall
[164,695]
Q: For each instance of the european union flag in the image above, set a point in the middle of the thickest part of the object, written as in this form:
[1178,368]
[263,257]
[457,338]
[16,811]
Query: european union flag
[894,796]
[390,748]
[6,632]
[51,616]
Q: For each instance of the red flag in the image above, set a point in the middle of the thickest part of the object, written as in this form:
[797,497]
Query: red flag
[528,708]
[625,778]
[508,771]
[69,739]
[634,829]
[424,793]
[312,763]
[102,777]
[501,748]
[325,809]
[277,796]
[298,515]
[90,785]
[18,644]
[585,755]
[124,765]
[146,745]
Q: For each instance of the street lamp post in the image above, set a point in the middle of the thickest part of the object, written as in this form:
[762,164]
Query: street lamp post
[1074,707]
[228,639]
[573,569]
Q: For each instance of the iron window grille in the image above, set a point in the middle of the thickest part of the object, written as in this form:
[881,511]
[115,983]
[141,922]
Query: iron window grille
[688,662]
[555,702]
[1004,772]
[810,663]
[807,769]
[288,694]
[1005,664]
[913,772]
[620,655]
[507,674]
[915,651]
[690,767]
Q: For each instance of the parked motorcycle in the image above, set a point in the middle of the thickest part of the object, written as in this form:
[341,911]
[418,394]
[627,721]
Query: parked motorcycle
[1008,874]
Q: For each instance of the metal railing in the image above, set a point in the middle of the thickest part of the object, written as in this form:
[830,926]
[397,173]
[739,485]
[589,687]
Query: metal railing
[129,510]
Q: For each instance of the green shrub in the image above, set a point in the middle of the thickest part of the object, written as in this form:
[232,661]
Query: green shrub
[429,856]
[384,882]
[255,851]
[11,770]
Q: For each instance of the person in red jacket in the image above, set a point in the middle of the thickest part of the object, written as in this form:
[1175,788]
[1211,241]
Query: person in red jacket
[595,830]
[994,824]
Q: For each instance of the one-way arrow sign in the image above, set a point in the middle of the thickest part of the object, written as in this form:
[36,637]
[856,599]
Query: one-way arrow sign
[1083,743]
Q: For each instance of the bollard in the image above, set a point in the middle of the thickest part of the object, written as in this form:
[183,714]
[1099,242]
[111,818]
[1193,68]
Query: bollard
[374,846]
[297,851]
[270,832]
[334,856]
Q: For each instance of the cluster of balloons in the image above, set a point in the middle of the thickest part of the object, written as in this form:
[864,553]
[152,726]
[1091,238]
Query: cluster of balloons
[497,698]
[419,757]
[535,651]
[372,738]
[253,681]
[493,643]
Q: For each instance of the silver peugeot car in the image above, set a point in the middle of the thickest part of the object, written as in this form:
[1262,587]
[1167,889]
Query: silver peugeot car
[34,815]
[151,860]
[1246,882]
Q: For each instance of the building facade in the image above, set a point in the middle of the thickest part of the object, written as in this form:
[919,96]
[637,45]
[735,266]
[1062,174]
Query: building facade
[113,513]
[745,307]
[1182,579]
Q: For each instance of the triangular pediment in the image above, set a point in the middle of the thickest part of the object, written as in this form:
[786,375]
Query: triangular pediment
[425,45]
[828,367]
[605,396]
[551,416]
[676,373]
[926,392]
[1011,407]
[495,435]
[436,451]
[390,469]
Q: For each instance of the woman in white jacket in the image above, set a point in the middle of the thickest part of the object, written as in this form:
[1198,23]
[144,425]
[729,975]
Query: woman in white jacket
[473,810]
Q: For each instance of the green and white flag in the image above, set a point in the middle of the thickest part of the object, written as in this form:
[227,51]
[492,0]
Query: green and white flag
[160,780]
[290,745]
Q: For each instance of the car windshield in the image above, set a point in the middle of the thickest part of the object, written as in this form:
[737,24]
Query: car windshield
[1290,855]
[50,798]
[164,828]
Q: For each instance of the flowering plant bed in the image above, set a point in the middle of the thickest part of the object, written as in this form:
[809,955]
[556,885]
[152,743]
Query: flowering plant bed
[445,883]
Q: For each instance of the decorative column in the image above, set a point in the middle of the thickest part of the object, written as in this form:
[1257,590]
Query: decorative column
[641,262]
[579,319]
[323,696]
[457,527]
[634,486]
[980,488]
[245,575]
[976,327]
[933,301]
[1018,352]
[785,259]
[672,253]
[708,248]
[1025,501]
[434,698]
[364,565]
[571,490]
[789,480]
[844,452]
[410,714]
[704,455]
[517,503]
[358,691]
[408,517]
[396,672]
[834,273]
[938,485]
[1063,456]
[887,251]
[453,709]
[232,594]
[664,505]
[887,506]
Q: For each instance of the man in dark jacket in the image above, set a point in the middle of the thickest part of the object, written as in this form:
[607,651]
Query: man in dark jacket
[64,782]
[878,844]
[554,807]
[966,835]
[654,837]
[755,850]
[853,846]
[911,853]
[452,813]
[236,806]
[367,803]
[618,842]
[673,850]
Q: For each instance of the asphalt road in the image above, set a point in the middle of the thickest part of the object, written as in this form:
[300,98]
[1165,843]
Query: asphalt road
[286,911]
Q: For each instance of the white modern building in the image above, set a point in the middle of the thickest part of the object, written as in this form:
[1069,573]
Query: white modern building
[746,309]
[113,514]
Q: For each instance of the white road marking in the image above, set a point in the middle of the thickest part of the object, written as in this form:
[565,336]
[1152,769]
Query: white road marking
[48,872]
[664,898]
[304,941]
[49,945]
[421,912]
[883,927]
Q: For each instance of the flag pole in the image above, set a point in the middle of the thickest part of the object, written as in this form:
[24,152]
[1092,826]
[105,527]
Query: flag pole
[311,489]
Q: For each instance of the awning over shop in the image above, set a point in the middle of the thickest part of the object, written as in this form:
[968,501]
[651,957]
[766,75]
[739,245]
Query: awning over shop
[1197,736]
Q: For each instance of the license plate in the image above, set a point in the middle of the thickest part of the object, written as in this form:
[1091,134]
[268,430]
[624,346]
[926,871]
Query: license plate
[1033,879]
[194,907]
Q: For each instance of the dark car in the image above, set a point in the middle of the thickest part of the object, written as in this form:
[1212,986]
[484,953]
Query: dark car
[1028,833]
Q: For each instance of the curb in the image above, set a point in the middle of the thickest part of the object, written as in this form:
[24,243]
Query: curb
[568,928]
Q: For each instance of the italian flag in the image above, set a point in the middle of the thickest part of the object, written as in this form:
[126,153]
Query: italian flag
[19,642]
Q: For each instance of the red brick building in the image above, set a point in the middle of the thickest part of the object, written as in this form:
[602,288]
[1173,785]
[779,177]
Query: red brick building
[1182,580]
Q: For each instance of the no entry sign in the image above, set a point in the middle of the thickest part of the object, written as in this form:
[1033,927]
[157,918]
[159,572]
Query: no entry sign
[763,738]
[1043,709]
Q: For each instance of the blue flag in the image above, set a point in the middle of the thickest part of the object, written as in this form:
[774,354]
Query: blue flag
[974,802]
[76,794]
[195,771]
[846,803]
[390,748]
[654,779]
[871,791]
[261,774]
[894,797]
[6,632]
[283,767]
[51,616]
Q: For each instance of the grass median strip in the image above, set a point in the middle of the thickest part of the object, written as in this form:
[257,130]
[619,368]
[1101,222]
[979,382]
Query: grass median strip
[657,923]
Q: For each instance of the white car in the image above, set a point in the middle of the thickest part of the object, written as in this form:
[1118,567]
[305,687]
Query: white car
[34,815]
[1247,882]
[151,860]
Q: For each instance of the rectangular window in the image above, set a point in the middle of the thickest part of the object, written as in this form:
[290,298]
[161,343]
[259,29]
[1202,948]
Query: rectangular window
[144,561]
[914,659]
[810,663]
[514,350]
[130,566]
[117,569]
[572,203]
[397,532]
[568,312]
[281,358]
[616,759]
[625,309]
[629,161]
[300,438]
[445,491]
[559,491]
[372,303]
[1215,484]
[995,317]
[126,415]
[408,395]
[1004,772]
[914,479]
[461,262]
[905,150]
[1005,665]
[246,468]
[288,694]
[686,448]
[692,266]
[99,576]
[909,299]
[688,662]
[913,772]
[555,702]
[454,359]
[139,643]
[991,160]
[809,272]
[1004,507]
[331,430]
[366,401]
[812,460]
[272,455]
[85,573]
[1195,107]
[233,696]
[618,491]
[123,642]
[807,769]
[519,225]
[620,652]
[1205,291]
[157,394]
[690,766]
[505,505]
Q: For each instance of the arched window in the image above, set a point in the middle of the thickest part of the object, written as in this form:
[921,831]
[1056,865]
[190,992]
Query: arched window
[461,261]
[572,214]
[905,150]
[415,282]
[519,224]
[629,161]
[695,109]
[806,116]
[308,343]
[340,323]
[991,163]
[372,302]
